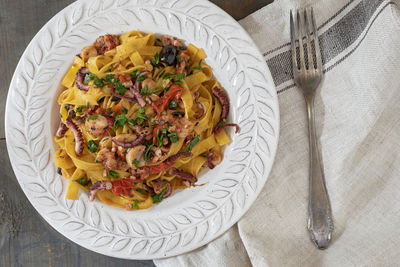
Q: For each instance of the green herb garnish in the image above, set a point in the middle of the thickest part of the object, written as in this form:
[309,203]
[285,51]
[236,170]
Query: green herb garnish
[79,109]
[220,124]
[92,117]
[180,76]
[159,139]
[156,91]
[164,130]
[92,145]
[148,153]
[156,59]
[87,79]
[141,78]
[120,89]
[199,67]
[173,137]
[135,73]
[135,204]
[173,104]
[82,181]
[178,82]
[120,121]
[113,174]
[144,90]
[109,78]
[109,68]
[124,111]
[60,115]
[136,163]
[131,122]
[192,143]
[179,59]
[168,76]
[161,73]
[159,197]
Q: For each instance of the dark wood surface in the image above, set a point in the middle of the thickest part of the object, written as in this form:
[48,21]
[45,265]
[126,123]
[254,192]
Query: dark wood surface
[25,238]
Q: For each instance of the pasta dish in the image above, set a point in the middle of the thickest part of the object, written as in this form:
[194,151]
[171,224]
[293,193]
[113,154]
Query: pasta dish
[140,116]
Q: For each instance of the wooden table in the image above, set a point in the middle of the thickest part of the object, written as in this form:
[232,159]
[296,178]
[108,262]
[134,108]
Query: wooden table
[25,238]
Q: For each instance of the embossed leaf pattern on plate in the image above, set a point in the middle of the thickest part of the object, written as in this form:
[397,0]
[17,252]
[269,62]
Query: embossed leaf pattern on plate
[174,228]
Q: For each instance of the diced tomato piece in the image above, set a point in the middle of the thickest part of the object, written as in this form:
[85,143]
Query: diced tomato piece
[175,92]
[122,186]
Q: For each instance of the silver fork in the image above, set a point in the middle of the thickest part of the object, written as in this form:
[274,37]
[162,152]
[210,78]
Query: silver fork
[307,77]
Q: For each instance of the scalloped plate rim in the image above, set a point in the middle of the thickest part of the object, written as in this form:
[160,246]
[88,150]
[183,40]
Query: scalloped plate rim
[225,227]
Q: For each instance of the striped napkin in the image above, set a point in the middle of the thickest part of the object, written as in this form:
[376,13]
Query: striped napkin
[358,122]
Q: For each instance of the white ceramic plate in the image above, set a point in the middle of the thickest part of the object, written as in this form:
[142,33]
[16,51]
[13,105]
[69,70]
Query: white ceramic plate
[188,219]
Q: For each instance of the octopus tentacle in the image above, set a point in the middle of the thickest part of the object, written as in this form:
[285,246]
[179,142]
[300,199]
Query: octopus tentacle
[100,185]
[199,105]
[178,156]
[79,143]
[136,142]
[80,75]
[159,187]
[62,129]
[184,175]
[218,129]
[223,100]
[113,93]
[135,91]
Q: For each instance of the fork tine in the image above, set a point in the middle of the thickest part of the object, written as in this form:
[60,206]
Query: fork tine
[316,42]
[293,43]
[300,30]
[308,36]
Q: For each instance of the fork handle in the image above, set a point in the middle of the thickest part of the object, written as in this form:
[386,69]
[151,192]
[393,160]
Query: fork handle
[320,223]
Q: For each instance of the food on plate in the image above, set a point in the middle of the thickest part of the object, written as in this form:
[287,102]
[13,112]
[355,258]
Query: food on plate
[140,116]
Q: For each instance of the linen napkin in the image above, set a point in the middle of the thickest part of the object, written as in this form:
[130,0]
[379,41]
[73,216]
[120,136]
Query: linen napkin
[358,125]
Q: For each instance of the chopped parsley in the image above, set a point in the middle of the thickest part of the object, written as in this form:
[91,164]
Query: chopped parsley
[131,122]
[92,145]
[138,190]
[159,197]
[220,124]
[160,139]
[141,78]
[156,91]
[148,153]
[109,68]
[92,117]
[120,121]
[120,89]
[113,174]
[179,59]
[192,143]
[96,80]
[168,76]
[161,73]
[135,73]
[178,82]
[136,163]
[141,116]
[79,109]
[82,181]
[199,67]
[173,104]
[60,115]
[110,78]
[156,59]
[173,137]
[144,90]
[124,111]
[180,76]
[164,130]
[135,204]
